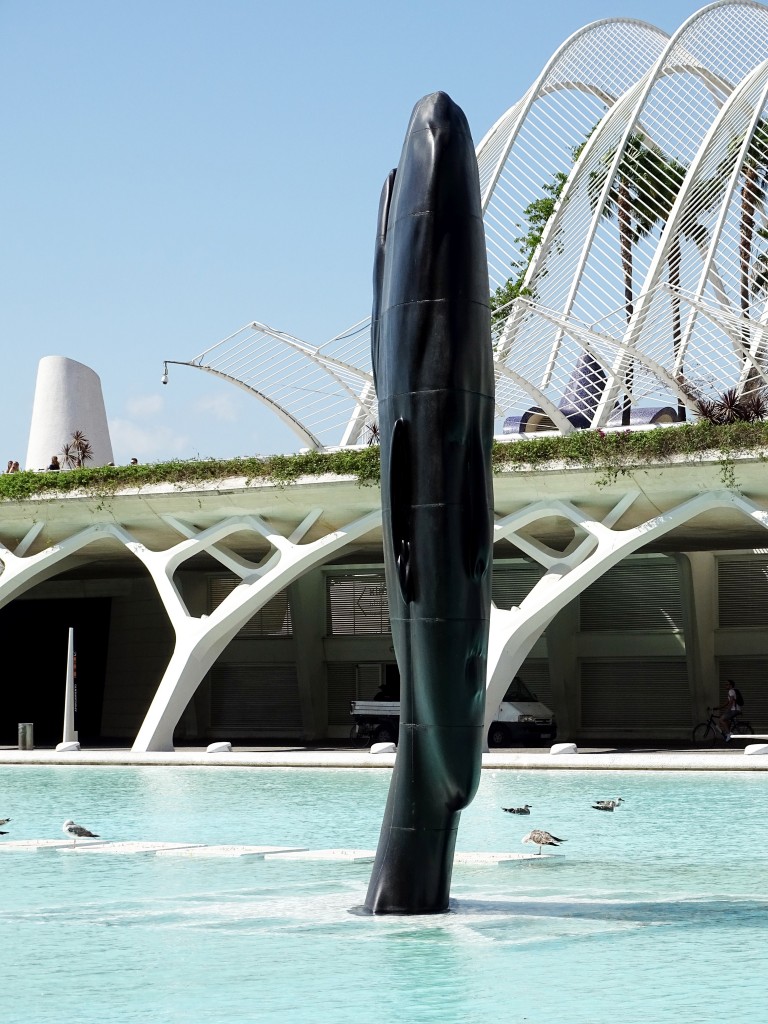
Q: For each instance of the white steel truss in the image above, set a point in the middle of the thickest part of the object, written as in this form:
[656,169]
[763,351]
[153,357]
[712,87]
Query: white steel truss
[624,200]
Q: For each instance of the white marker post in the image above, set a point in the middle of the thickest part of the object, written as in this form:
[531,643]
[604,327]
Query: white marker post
[69,739]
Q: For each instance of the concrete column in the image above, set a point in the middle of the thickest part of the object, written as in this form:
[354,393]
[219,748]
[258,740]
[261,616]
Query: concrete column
[307,601]
[562,646]
[698,591]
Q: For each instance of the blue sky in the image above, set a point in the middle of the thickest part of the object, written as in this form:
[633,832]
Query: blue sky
[173,169]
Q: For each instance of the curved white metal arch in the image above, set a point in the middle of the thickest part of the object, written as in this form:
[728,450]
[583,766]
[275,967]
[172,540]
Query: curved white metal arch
[673,90]
[757,81]
[515,115]
[630,107]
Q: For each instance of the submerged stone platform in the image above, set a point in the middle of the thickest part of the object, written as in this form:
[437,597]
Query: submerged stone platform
[201,850]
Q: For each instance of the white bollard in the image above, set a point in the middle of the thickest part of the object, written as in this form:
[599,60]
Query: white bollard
[69,736]
[756,748]
[564,748]
[384,748]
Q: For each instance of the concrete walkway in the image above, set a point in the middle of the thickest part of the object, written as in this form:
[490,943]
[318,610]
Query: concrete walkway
[588,759]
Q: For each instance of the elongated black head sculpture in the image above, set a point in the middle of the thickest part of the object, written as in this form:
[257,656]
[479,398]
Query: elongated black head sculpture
[432,365]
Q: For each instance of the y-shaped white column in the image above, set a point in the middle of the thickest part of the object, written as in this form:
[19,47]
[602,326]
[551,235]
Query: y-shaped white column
[513,633]
[22,571]
[199,641]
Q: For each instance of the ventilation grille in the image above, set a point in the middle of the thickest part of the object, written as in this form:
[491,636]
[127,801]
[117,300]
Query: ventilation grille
[742,592]
[255,701]
[638,593]
[629,694]
[513,581]
[274,619]
[357,604]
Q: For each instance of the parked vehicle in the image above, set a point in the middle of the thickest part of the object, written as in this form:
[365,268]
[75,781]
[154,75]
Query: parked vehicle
[521,720]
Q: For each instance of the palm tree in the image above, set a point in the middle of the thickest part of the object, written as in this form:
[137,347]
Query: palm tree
[77,451]
[702,197]
[640,196]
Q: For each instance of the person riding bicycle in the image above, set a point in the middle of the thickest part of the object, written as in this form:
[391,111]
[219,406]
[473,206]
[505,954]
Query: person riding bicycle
[730,710]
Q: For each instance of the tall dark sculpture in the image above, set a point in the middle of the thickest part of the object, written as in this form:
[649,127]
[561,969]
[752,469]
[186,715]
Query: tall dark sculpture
[432,363]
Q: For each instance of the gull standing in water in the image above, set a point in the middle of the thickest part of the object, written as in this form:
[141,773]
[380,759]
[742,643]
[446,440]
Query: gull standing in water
[518,810]
[77,832]
[607,805]
[541,838]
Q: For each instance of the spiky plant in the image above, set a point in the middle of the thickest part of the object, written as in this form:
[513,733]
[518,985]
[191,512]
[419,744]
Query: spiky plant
[77,451]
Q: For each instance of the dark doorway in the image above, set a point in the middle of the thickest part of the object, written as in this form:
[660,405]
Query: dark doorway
[392,679]
[37,633]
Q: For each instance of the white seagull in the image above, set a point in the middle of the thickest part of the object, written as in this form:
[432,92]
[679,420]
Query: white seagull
[77,832]
[607,805]
[518,810]
[541,838]
[4,821]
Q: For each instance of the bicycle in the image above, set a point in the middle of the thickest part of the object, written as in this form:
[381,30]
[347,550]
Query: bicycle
[709,731]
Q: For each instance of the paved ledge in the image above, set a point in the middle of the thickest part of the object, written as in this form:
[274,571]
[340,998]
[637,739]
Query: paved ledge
[729,759]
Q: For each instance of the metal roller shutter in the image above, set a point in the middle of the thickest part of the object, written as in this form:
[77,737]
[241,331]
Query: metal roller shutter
[638,593]
[513,581]
[535,674]
[357,604]
[274,619]
[347,682]
[631,694]
[249,700]
[742,585]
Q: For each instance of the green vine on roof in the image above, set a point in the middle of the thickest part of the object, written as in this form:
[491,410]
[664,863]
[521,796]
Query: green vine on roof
[609,455]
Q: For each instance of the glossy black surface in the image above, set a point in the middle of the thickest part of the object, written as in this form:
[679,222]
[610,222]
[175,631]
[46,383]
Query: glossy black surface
[432,359]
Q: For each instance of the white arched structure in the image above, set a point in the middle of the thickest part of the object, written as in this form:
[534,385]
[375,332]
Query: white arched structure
[648,289]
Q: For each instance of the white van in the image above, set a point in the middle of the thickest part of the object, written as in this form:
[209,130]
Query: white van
[521,720]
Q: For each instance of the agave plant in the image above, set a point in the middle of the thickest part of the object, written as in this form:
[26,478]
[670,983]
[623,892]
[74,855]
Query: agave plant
[733,406]
[374,436]
[77,451]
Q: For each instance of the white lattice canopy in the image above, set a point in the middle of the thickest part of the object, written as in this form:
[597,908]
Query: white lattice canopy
[624,199]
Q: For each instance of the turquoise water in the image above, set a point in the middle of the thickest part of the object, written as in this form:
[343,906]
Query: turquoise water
[657,912]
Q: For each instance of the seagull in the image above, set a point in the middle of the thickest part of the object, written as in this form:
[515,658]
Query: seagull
[77,832]
[607,805]
[4,821]
[541,838]
[518,810]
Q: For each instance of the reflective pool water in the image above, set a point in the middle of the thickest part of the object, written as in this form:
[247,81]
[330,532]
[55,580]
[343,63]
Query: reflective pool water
[657,912]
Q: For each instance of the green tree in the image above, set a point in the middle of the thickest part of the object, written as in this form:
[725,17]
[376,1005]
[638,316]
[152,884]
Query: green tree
[537,214]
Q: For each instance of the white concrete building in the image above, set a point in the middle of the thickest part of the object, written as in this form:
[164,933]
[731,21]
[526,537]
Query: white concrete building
[242,611]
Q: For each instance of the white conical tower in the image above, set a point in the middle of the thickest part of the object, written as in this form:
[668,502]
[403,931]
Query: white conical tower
[67,398]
